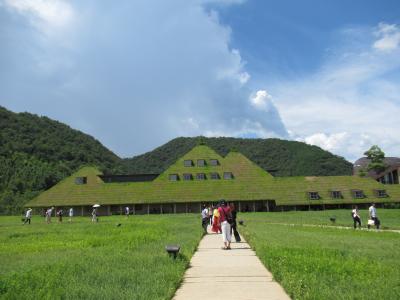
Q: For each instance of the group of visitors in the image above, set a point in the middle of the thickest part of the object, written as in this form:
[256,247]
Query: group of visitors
[222,219]
[372,217]
[48,214]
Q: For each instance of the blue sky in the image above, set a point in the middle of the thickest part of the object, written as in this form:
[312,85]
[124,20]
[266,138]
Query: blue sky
[135,74]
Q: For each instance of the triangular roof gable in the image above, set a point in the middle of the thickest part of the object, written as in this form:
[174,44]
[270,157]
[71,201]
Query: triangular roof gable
[66,187]
[244,168]
[235,162]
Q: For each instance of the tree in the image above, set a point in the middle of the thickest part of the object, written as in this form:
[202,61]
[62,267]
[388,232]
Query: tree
[376,157]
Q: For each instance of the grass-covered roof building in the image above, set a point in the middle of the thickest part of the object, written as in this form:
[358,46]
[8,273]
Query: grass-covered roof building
[203,176]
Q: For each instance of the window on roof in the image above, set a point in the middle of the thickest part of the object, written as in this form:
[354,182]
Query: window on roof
[188,163]
[214,162]
[228,175]
[173,177]
[336,194]
[358,194]
[214,175]
[381,193]
[187,176]
[313,195]
[200,176]
[201,162]
[81,180]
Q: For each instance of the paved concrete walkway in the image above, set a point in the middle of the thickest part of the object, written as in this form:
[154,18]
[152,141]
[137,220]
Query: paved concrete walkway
[227,274]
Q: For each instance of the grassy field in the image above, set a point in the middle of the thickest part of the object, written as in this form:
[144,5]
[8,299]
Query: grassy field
[85,260]
[390,218]
[327,263]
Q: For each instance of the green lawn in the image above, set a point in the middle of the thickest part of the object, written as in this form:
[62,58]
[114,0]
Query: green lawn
[83,260]
[327,263]
[390,218]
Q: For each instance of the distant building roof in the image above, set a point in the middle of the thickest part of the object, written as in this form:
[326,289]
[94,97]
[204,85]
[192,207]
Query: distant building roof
[363,162]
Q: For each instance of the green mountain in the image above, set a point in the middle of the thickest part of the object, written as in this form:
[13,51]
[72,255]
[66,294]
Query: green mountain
[37,152]
[280,157]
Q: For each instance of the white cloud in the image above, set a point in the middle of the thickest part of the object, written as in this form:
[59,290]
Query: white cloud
[355,92]
[134,75]
[261,100]
[328,142]
[56,13]
[388,37]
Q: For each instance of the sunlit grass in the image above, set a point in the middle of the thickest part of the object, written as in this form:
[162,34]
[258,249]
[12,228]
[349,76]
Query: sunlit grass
[327,263]
[95,261]
[390,218]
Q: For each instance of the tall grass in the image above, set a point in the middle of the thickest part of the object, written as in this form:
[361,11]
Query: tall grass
[327,263]
[390,218]
[83,260]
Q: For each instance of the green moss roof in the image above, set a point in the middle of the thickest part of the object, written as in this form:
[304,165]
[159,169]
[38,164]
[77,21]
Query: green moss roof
[250,183]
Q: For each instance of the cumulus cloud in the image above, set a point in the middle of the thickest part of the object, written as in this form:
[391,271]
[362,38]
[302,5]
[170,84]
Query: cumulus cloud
[355,92]
[134,75]
[261,100]
[329,142]
[388,37]
[44,13]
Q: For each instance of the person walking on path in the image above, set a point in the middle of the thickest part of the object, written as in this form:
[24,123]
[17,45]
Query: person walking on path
[204,218]
[48,215]
[225,219]
[70,214]
[216,227]
[94,215]
[210,214]
[373,216]
[234,224]
[356,217]
[28,216]
[127,211]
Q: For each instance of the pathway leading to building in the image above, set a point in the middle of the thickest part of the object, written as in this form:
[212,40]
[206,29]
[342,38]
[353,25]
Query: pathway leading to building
[227,274]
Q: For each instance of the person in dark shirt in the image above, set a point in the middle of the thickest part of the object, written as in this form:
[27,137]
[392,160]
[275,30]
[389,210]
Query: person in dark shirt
[234,224]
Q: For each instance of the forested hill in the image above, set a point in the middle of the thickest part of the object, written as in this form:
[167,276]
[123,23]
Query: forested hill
[288,158]
[37,152]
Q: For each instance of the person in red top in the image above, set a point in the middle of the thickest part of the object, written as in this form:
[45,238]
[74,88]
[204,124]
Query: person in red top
[225,219]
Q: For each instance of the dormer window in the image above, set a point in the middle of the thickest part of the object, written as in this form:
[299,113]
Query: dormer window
[201,162]
[200,176]
[188,163]
[358,194]
[81,180]
[214,162]
[187,176]
[173,177]
[336,194]
[214,175]
[381,193]
[313,196]
[228,175]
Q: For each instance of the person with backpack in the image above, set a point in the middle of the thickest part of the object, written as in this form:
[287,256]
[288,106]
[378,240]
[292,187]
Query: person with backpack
[226,220]
[356,217]
[373,216]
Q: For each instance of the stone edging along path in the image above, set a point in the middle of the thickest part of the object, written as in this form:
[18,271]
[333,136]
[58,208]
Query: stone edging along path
[234,274]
